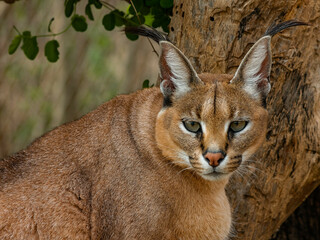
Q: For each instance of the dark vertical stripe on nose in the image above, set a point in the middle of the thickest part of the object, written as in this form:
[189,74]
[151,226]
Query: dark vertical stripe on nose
[214,98]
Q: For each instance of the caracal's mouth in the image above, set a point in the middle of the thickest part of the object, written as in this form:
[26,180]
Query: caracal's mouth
[224,170]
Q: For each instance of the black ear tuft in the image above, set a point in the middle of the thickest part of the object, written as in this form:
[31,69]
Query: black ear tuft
[253,73]
[147,32]
[274,29]
[176,72]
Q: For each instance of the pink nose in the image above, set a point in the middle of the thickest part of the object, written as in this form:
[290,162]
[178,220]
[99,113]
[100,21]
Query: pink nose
[214,159]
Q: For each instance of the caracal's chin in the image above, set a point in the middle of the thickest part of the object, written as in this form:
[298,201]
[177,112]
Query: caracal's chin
[216,176]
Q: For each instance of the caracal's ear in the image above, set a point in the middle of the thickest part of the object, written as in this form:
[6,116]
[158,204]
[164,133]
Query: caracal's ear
[254,71]
[176,72]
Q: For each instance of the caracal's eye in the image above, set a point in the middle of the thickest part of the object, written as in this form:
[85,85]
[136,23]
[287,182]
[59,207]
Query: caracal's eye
[192,126]
[238,126]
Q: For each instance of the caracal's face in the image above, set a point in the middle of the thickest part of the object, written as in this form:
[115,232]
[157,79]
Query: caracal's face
[207,126]
[212,129]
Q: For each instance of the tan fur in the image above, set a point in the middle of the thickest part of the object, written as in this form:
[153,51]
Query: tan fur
[128,170]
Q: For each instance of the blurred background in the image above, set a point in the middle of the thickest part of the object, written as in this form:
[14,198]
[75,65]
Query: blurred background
[93,67]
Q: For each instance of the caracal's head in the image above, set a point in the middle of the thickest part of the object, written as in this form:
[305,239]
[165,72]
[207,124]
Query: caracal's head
[207,126]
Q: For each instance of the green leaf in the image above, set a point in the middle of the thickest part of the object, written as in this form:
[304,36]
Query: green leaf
[79,23]
[146,83]
[145,10]
[69,8]
[138,21]
[26,34]
[96,3]
[166,3]
[49,25]
[51,51]
[157,12]
[138,4]
[30,45]
[14,44]
[161,21]
[149,20]
[108,21]
[131,10]
[89,12]
[156,23]
[132,37]
[165,23]
[119,18]
[151,3]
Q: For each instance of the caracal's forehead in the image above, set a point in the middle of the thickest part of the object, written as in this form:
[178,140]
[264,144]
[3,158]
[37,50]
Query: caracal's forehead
[216,101]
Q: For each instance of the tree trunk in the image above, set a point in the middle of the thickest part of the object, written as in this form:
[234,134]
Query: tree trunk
[216,35]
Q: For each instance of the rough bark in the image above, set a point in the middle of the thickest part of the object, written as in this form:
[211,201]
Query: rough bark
[215,35]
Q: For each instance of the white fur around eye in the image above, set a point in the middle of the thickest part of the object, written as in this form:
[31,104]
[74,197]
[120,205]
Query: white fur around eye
[203,127]
[226,126]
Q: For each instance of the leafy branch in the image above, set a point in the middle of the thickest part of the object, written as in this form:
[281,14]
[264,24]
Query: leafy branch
[153,13]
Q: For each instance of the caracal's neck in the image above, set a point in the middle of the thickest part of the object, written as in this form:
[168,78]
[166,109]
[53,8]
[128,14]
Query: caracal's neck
[143,114]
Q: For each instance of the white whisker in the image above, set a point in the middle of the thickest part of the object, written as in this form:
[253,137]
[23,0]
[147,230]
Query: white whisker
[184,170]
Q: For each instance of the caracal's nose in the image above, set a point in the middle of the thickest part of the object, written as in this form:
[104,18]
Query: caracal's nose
[214,158]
